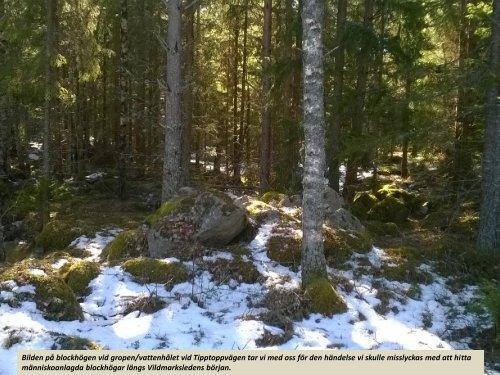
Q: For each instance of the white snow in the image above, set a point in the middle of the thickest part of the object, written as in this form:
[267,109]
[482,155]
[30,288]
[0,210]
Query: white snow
[201,314]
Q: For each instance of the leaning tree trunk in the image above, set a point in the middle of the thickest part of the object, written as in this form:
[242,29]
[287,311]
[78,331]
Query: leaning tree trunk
[489,217]
[313,258]
[172,162]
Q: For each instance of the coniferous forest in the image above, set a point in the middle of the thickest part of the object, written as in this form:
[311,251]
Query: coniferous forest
[240,174]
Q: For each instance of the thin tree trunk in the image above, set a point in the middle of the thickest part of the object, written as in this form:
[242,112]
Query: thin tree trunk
[464,120]
[405,123]
[50,41]
[124,113]
[265,146]
[334,132]
[190,9]
[172,162]
[358,111]
[313,258]
[238,151]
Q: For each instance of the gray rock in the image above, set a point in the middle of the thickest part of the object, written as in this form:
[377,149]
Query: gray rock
[199,218]
[344,219]
[218,220]
[332,200]
[291,201]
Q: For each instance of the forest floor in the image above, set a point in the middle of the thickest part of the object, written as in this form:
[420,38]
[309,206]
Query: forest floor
[214,311]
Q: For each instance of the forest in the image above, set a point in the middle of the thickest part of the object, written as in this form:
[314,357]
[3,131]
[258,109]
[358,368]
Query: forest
[238,174]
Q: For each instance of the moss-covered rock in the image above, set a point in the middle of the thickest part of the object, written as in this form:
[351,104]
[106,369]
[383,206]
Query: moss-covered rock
[53,297]
[366,199]
[65,342]
[272,196]
[80,275]
[382,229]
[339,245]
[286,250]
[412,200]
[146,270]
[389,210]
[57,235]
[323,298]
[127,244]
[237,269]
[17,251]
[165,209]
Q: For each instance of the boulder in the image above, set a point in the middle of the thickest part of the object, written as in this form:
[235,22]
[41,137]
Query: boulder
[336,214]
[389,209]
[332,200]
[192,219]
[344,219]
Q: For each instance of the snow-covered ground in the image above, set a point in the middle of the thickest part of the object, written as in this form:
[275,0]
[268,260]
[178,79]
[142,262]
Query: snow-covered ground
[202,314]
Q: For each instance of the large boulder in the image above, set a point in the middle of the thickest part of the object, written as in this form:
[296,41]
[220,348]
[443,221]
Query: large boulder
[192,219]
[336,213]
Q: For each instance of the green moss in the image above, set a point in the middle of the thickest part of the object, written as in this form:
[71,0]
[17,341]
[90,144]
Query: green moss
[165,209]
[339,245]
[389,210]
[382,229]
[237,269]
[53,297]
[127,244]
[261,211]
[80,275]
[366,199]
[286,250]
[65,342]
[272,196]
[323,298]
[57,235]
[147,270]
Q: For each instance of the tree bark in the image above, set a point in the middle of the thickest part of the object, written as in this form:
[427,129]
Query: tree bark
[190,9]
[334,133]
[488,239]
[313,258]
[124,96]
[265,146]
[50,42]
[358,111]
[172,162]
[464,121]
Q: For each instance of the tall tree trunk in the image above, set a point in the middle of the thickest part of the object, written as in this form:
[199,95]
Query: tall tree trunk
[50,45]
[489,217]
[334,133]
[4,131]
[172,158]
[358,111]
[405,127]
[463,164]
[124,97]
[265,145]
[236,35]
[190,9]
[238,151]
[313,258]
